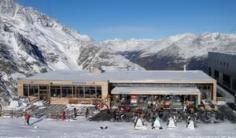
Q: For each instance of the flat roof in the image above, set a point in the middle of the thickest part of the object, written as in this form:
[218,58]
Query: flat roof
[124,76]
[233,53]
[157,90]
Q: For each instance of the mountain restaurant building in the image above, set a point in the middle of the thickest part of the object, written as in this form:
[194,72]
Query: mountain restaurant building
[119,88]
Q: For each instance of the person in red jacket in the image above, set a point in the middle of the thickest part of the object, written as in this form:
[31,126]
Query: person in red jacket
[27,118]
[63,115]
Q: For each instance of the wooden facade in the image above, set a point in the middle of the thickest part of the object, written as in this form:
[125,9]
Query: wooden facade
[90,88]
[44,91]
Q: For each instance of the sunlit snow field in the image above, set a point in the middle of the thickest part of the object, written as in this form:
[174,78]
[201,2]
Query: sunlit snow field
[81,128]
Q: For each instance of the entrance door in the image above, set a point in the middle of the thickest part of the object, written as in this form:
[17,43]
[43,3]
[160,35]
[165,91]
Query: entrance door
[44,92]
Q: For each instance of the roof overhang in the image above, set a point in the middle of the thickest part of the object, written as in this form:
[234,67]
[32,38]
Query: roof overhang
[156,90]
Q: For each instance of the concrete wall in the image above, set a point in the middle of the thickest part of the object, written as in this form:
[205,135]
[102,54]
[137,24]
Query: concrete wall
[225,64]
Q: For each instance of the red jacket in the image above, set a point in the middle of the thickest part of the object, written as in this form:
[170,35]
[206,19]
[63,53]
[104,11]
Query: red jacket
[27,116]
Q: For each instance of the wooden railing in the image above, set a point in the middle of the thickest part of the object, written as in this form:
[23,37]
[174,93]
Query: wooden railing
[220,99]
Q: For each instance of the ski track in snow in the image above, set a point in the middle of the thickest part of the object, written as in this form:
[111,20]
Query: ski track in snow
[81,128]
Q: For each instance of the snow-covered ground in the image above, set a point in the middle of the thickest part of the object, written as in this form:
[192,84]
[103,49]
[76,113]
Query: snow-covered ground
[81,128]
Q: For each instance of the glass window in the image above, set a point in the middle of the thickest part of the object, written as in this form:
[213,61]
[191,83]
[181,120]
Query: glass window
[216,74]
[92,92]
[43,87]
[66,91]
[87,92]
[209,71]
[226,80]
[55,91]
[69,92]
[80,92]
[234,84]
[33,90]
[25,90]
[99,92]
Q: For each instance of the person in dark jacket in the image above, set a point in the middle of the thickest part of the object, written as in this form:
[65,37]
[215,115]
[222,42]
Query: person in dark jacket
[75,112]
[87,113]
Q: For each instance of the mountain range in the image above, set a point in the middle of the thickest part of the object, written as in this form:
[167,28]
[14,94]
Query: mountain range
[32,42]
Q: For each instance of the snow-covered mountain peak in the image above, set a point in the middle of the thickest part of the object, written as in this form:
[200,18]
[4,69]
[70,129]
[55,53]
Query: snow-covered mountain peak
[218,36]
[179,37]
[8,7]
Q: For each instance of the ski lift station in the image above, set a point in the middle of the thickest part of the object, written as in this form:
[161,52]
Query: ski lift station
[120,88]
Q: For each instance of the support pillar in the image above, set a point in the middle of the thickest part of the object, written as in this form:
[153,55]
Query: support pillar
[199,99]
[60,91]
[214,92]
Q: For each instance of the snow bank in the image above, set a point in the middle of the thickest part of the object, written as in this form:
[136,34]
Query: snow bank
[17,104]
[77,106]
[38,103]
[221,102]
[14,104]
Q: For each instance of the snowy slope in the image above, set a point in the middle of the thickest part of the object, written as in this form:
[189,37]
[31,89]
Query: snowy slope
[81,128]
[32,42]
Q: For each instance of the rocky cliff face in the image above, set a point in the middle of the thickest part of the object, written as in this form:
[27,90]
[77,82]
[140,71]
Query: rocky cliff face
[32,42]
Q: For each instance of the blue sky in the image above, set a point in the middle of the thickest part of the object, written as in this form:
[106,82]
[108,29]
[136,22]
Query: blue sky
[108,19]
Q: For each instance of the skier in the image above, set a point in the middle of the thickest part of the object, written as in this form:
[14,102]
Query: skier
[27,118]
[185,108]
[156,124]
[87,113]
[171,122]
[190,123]
[63,115]
[75,112]
[135,119]
[139,124]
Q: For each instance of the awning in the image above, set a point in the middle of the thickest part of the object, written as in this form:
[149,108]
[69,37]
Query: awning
[156,90]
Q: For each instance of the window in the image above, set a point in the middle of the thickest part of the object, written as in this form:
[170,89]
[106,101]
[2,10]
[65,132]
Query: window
[67,91]
[93,92]
[209,71]
[43,89]
[205,87]
[99,92]
[55,91]
[79,92]
[25,90]
[226,80]
[89,92]
[33,90]
[216,74]
[234,84]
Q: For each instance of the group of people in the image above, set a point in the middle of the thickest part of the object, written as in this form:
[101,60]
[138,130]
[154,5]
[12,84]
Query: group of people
[156,123]
[63,116]
[69,115]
